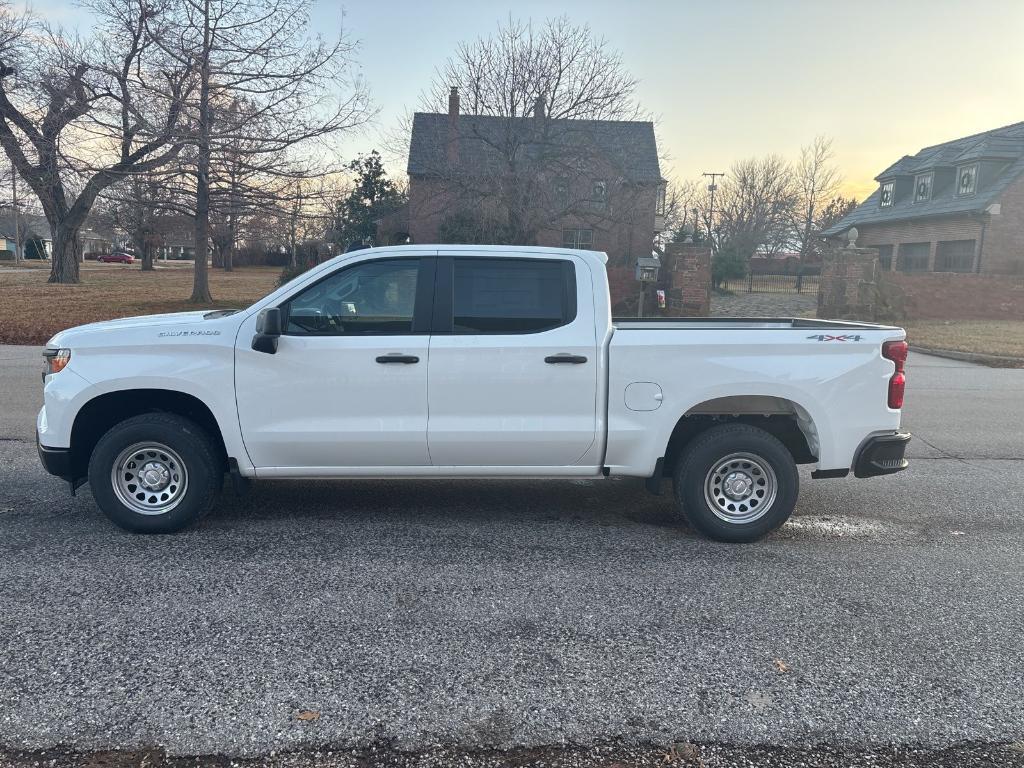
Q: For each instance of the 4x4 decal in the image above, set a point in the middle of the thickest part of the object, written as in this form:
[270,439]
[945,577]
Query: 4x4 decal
[828,337]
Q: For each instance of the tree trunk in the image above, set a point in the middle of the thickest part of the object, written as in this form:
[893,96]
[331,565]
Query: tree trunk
[144,249]
[229,247]
[64,265]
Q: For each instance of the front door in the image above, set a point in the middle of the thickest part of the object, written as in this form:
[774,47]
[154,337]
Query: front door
[513,363]
[348,384]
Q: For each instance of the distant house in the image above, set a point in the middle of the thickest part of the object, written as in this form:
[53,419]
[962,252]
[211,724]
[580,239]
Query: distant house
[592,184]
[953,207]
[95,237]
[36,242]
[174,236]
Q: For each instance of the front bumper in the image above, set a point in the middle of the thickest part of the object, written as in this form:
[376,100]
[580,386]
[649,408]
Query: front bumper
[56,461]
[882,455]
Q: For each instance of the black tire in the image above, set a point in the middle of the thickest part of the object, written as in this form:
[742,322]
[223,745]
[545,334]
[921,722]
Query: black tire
[724,478]
[190,459]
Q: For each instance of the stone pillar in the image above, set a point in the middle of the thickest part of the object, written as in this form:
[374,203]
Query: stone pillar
[848,287]
[688,279]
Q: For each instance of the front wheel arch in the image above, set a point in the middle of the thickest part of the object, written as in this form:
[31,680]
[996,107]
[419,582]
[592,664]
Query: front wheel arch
[104,411]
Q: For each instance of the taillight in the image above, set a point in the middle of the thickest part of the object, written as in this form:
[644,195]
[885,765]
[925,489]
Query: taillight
[897,352]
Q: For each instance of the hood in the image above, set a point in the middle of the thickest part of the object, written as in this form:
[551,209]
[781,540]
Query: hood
[169,320]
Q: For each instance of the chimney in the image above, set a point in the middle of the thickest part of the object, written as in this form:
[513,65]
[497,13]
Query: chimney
[453,126]
[540,107]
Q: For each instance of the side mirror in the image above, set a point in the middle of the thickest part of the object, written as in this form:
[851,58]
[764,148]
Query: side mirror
[268,330]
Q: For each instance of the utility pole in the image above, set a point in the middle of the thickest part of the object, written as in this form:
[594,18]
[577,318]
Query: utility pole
[712,188]
[14,213]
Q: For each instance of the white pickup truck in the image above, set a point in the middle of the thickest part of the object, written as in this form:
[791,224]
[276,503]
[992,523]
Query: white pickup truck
[467,362]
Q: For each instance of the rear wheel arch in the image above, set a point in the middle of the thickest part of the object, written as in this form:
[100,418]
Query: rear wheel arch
[103,412]
[784,419]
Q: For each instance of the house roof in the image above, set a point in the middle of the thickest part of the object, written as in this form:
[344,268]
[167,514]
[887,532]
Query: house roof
[1004,145]
[484,141]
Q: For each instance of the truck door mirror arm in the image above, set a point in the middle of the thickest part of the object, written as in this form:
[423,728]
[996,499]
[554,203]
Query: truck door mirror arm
[268,330]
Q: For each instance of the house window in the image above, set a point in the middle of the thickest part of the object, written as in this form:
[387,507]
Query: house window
[913,257]
[955,256]
[599,195]
[659,203]
[966,180]
[923,188]
[578,238]
[885,256]
[885,196]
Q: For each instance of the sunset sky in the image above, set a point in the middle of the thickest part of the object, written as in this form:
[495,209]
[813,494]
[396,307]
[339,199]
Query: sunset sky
[728,79]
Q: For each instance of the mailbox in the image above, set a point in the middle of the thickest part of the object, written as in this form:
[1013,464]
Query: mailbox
[647,268]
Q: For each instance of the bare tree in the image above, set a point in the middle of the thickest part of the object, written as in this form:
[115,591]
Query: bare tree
[817,181]
[530,95]
[755,206]
[578,75]
[296,86]
[681,211]
[139,205]
[78,116]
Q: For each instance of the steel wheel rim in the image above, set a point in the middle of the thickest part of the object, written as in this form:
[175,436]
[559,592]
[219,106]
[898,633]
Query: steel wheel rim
[740,488]
[149,478]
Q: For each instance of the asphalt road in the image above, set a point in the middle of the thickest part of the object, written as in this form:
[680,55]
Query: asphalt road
[476,614]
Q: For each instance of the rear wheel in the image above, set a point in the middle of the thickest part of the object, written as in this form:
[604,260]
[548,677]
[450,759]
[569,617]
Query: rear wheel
[736,483]
[155,473]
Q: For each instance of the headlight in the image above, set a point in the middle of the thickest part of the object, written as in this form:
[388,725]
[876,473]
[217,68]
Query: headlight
[54,361]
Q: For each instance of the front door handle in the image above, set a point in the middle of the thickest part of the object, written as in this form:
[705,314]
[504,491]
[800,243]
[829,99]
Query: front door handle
[570,359]
[406,359]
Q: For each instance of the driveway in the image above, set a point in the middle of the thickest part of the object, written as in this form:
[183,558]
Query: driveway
[476,614]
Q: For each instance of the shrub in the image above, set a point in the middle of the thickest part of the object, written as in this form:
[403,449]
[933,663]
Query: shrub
[727,264]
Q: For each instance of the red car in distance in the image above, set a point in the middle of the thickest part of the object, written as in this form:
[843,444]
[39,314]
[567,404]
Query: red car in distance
[116,258]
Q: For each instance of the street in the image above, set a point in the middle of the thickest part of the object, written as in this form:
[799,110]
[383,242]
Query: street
[508,614]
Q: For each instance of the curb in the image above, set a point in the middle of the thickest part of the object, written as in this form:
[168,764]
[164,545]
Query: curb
[992,361]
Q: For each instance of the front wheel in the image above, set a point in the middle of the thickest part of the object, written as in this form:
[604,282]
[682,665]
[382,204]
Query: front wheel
[736,483]
[155,473]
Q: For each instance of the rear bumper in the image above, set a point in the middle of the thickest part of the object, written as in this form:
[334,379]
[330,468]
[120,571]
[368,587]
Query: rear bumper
[882,455]
[56,461]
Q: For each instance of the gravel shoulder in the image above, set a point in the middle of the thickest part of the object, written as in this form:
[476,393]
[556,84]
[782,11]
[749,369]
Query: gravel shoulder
[681,755]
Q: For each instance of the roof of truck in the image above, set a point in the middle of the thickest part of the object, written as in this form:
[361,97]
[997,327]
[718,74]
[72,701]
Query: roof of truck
[474,250]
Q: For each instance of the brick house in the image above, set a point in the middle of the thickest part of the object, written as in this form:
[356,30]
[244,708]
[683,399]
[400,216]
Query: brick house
[574,183]
[953,207]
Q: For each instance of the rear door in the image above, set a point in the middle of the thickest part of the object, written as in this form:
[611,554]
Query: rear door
[513,371]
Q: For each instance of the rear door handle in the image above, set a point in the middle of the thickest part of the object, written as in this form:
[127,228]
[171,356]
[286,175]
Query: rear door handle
[570,359]
[406,359]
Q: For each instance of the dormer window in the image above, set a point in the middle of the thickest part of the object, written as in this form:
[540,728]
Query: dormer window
[923,187]
[885,196]
[966,179]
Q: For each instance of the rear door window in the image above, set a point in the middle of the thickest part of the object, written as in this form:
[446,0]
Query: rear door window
[511,296]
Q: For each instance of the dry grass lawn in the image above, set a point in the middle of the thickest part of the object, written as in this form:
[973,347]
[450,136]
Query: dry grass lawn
[31,310]
[987,337]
